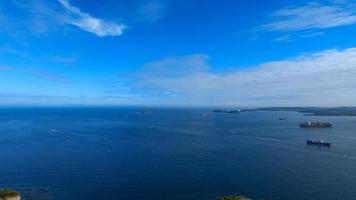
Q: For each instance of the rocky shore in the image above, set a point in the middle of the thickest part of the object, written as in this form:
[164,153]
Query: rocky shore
[9,194]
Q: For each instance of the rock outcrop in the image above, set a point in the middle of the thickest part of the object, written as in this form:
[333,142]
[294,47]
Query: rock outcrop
[7,194]
[234,198]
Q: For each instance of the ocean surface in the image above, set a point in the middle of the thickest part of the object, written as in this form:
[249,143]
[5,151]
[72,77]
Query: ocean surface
[173,154]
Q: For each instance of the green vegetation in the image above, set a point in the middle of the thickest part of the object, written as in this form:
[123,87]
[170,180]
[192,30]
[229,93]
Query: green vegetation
[7,193]
[234,198]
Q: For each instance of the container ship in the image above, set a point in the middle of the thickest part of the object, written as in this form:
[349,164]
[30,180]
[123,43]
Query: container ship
[309,124]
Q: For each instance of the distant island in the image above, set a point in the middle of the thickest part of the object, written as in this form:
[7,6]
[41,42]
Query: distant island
[314,111]
[233,111]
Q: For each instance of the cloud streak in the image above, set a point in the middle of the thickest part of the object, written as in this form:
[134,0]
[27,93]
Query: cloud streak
[311,16]
[14,99]
[46,75]
[38,73]
[91,24]
[326,78]
[5,68]
[39,17]
[153,10]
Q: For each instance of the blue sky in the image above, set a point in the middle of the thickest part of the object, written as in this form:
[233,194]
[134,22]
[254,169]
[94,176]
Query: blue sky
[178,52]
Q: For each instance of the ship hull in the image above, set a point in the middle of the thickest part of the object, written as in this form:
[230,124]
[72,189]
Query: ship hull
[318,143]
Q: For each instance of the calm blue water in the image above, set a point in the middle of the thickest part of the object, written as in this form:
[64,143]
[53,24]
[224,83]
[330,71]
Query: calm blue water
[120,153]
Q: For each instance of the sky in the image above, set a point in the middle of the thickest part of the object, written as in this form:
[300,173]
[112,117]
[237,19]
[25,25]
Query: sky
[249,53]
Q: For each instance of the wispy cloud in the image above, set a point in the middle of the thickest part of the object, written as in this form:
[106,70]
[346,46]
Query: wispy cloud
[38,73]
[14,99]
[46,75]
[312,16]
[40,17]
[285,38]
[5,68]
[91,24]
[313,34]
[324,78]
[152,10]
[64,59]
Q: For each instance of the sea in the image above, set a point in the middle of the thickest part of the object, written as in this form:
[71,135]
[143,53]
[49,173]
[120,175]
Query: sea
[123,153]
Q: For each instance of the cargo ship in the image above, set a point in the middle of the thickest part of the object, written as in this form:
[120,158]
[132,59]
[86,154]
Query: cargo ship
[309,124]
[318,143]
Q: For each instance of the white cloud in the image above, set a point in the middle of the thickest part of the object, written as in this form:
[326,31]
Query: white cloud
[91,24]
[312,16]
[323,79]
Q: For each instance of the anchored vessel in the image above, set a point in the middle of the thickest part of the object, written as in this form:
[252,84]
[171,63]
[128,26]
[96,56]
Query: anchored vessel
[309,124]
[318,143]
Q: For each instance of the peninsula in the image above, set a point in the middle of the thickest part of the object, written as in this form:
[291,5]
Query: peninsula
[314,111]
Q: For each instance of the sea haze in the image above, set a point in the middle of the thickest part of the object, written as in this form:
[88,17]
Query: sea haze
[173,154]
